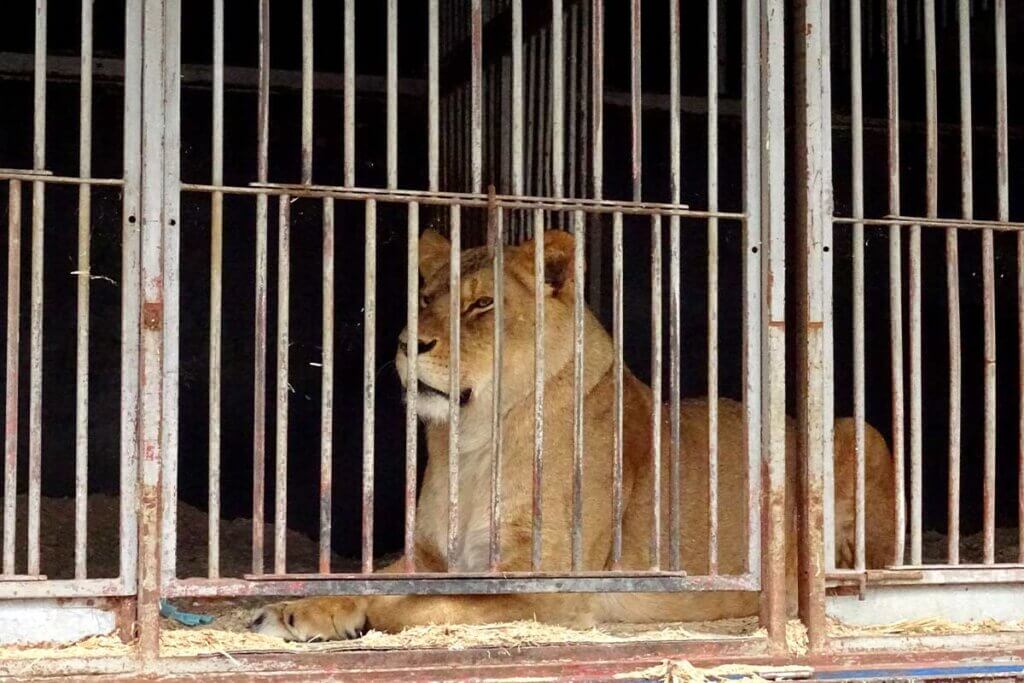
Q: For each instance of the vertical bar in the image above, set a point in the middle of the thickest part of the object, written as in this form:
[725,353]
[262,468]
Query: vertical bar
[216,291]
[349,97]
[151,369]
[557,99]
[617,337]
[656,393]
[895,278]
[813,220]
[11,389]
[412,326]
[636,97]
[307,91]
[36,312]
[281,424]
[369,377]
[476,90]
[573,46]
[433,81]
[1003,194]
[713,288]
[82,346]
[538,381]
[675,303]
[857,177]
[752,307]
[131,301]
[544,113]
[171,288]
[496,410]
[931,200]
[327,389]
[531,96]
[454,372]
[766,199]
[392,95]
[517,97]
[953,284]
[579,263]
[260,333]
[596,137]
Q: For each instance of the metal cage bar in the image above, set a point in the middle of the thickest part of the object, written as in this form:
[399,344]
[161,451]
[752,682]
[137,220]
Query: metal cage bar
[216,292]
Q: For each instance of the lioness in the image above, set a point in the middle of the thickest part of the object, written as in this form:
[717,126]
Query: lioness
[345,617]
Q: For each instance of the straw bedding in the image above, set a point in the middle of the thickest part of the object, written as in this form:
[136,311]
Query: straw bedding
[228,632]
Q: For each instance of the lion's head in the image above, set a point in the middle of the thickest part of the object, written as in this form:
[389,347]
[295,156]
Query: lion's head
[476,310]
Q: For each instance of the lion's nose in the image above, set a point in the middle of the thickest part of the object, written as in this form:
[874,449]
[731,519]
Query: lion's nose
[422,346]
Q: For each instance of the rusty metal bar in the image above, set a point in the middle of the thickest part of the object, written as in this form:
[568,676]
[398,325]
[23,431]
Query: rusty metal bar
[517,97]
[36,309]
[307,91]
[895,279]
[828,310]
[131,300]
[349,95]
[813,202]
[675,302]
[283,387]
[636,98]
[392,95]
[497,438]
[369,377]
[461,584]
[544,115]
[260,333]
[766,199]
[857,177]
[596,112]
[82,339]
[712,288]
[11,388]
[156,221]
[573,47]
[557,100]
[538,383]
[171,289]
[617,334]
[216,293]
[931,200]
[412,326]
[477,200]
[657,372]
[578,323]
[327,389]
[1003,197]
[454,374]
[988,275]
[433,99]
[476,96]
[953,287]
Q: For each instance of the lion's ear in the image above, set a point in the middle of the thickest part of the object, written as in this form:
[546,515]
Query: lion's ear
[559,260]
[435,251]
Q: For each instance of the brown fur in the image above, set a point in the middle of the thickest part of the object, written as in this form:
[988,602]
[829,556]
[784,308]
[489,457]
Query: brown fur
[328,618]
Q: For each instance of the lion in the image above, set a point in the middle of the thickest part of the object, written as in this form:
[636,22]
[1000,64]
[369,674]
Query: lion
[338,617]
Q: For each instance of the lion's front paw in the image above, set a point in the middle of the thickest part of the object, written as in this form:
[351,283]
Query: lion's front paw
[313,619]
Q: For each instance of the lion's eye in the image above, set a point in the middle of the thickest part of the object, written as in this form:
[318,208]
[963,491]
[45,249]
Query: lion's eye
[481,303]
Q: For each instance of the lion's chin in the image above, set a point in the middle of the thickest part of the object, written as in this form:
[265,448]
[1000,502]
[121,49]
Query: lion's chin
[432,409]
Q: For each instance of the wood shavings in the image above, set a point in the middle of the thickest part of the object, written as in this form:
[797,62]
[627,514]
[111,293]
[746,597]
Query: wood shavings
[455,637]
[96,646]
[926,627]
[684,672]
